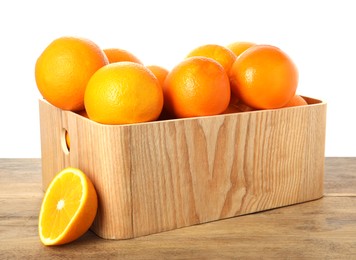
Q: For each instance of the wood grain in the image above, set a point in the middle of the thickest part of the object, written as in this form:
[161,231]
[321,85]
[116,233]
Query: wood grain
[342,179]
[320,229]
[158,176]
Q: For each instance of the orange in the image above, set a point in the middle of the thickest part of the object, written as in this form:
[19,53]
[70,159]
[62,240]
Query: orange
[237,107]
[83,113]
[68,208]
[117,55]
[231,109]
[296,100]
[216,52]
[67,139]
[160,72]
[64,68]
[239,47]
[123,93]
[264,77]
[243,107]
[233,99]
[197,86]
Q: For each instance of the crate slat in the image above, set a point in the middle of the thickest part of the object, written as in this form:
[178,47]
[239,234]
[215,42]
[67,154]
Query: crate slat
[157,176]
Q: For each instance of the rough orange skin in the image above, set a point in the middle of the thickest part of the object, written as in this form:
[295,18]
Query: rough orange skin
[239,47]
[264,77]
[123,93]
[198,86]
[296,100]
[64,68]
[160,72]
[219,53]
[118,55]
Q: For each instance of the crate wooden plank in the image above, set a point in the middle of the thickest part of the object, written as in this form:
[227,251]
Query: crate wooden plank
[163,175]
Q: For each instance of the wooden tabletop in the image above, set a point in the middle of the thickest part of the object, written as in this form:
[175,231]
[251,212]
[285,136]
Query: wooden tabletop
[320,229]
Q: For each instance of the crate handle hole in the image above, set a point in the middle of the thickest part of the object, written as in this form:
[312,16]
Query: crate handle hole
[65,141]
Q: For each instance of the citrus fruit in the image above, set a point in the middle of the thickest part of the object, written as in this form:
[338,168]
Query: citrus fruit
[242,107]
[68,208]
[296,100]
[231,109]
[64,68]
[237,108]
[239,47]
[67,139]
[197,86]
[264,77]
[160,72]
[123,93]
[117,55]
[83,113]
[216,52]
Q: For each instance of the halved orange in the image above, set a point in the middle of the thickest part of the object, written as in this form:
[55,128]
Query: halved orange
[68,208]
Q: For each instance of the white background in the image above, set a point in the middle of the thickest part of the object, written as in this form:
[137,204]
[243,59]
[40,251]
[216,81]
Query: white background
[318,35]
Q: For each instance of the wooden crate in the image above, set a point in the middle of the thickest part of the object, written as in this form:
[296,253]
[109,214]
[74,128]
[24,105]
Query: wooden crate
[158,176]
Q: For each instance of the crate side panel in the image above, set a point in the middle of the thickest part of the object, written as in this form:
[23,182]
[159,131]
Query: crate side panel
[103,153]
[314,154]
[53,158]
[199,170]
[182,173]
[165,175]
[161,181]
[286,166]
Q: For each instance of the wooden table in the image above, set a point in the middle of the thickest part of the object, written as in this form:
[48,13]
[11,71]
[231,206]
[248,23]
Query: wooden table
[320,229]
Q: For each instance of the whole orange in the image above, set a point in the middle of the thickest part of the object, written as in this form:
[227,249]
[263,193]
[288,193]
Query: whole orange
[197,86]
[123,93]
[239,47]
[64,68]
[264,77]
[160,72]
[117,55]
[296,100]
[219,53]
[237,108]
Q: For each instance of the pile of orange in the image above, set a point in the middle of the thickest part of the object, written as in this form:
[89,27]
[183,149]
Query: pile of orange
[113,86]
